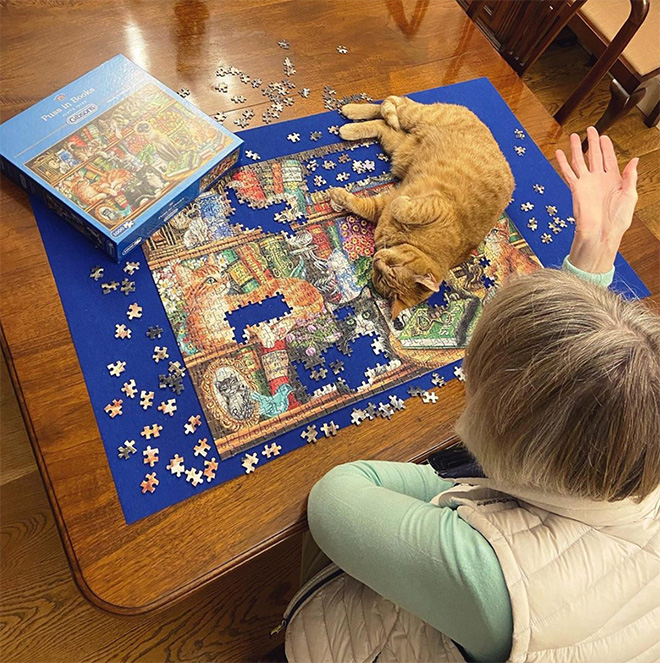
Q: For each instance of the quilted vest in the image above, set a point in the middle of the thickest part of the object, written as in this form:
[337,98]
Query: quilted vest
[583,577]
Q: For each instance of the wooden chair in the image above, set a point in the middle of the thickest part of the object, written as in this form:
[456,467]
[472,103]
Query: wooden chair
[522,29]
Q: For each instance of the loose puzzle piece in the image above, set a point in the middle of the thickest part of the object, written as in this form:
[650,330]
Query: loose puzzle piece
[150,482]
[175,466]
[146,399]
[160,354]
[429,397]
[131,267]
[310,434]
[201,448]
[127,286]
[249,461]
[168,407]
[210,467]
[134,311]
[272,449]
[127,449]
[122,331]
[107,288]
[114,409]
[151,431]
[437,380]
[150,456]
[96,273]
[330,429]
[459,373]
[154,332]
[117,368]
[192,425]
[129,388]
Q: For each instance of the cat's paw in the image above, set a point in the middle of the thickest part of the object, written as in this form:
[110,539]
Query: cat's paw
[400,208]
[339,199]
[388,111]
[351,131]
[360,111]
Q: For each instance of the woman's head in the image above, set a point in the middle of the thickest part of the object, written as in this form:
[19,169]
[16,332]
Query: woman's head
[563,381]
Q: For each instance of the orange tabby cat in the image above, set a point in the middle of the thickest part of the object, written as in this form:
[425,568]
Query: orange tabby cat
[455,185]
[205,292]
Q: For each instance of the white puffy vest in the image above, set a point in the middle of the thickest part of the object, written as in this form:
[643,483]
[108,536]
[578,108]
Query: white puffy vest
[583,577]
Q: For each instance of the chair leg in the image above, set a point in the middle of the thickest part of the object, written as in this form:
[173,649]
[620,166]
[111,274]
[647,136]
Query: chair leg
[652,119]
[621,103]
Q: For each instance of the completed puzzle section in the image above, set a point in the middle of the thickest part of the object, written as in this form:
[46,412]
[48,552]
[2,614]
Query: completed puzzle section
[268,291]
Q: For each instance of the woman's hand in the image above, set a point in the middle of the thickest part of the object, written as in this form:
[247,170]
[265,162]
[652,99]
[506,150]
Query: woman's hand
[603,201]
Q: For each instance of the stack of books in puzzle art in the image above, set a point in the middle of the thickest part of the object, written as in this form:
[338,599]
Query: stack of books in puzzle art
[116,154]
[246,325]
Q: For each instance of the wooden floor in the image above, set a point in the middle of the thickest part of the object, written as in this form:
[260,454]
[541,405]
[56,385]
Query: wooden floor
[43,619]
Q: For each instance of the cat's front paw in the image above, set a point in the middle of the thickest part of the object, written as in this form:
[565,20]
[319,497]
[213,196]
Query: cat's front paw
[339,199]
[351,131]
[400,208]
[388,111]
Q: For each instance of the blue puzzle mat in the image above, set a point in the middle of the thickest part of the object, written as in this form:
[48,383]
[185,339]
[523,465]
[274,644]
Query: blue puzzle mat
[246,328]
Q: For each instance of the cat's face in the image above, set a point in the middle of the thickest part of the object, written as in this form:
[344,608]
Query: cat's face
[404,275]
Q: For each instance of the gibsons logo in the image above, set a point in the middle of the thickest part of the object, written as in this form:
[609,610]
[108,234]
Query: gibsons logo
[70,105]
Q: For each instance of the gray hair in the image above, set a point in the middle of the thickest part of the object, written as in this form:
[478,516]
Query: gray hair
[563,385]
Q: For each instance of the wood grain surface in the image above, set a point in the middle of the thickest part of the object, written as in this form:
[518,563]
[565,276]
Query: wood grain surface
[150,564]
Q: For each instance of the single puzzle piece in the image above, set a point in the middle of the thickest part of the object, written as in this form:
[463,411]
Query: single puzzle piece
[415,391]
[151,431]
[175,466]
[183,92]
[337,366]
[318,373]
[272,449]
[342,50]
[519,133]
[437,380]
[532,224]
[127,449]
[131,267]
[117,368]
[249,461]
[168,407]
[283,43]
[357,417]
[194,476]
[551,210]
[342,158]
[429,397]
[201,448]
[370,411]
[310,434]
[96,272]
[122,331]
[342,177]
[304,93]
[114,409]
[546,239]
[539,188]
[459,373]
[210,467]
[330,429]
[107,288]
[127,286]
[527,207]
[385,410]
[146,399]
[396,402]
[150,456]
[519,150]
[150,482]
[293,137]
[134,311]
[129,388]
[154,332]
[160,354]
[194,422]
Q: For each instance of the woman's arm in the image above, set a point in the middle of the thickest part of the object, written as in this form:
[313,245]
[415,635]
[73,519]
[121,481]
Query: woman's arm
[603,204]
[374,520]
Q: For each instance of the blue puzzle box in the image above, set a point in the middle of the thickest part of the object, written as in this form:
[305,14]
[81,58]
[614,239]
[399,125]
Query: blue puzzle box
[116,154]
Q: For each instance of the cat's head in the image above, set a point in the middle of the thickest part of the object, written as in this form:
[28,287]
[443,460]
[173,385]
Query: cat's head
[404,275]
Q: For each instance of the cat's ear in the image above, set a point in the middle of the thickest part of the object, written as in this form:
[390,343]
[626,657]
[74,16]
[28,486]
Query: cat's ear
[397,307]
[428,281]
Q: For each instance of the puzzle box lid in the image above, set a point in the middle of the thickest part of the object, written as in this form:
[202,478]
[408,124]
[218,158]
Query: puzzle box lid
[83,143]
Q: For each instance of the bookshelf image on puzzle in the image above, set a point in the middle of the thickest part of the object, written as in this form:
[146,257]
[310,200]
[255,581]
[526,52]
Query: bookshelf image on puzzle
[123,161]
[277,328]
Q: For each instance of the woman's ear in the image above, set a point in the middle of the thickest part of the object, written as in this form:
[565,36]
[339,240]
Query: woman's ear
[428,281]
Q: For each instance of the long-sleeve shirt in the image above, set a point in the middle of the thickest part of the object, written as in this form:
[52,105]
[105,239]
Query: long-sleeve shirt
[374,519]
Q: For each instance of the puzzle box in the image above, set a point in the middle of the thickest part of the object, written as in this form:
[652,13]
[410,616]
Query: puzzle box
[116,154]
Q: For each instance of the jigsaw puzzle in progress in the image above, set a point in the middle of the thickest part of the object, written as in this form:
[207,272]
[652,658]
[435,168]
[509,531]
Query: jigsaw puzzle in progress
[277,320]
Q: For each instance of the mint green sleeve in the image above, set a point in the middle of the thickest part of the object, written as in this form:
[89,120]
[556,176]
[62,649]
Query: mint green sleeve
[599,279]
[374,520]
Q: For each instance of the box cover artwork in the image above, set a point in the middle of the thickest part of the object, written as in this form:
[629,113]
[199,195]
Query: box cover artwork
[116,153]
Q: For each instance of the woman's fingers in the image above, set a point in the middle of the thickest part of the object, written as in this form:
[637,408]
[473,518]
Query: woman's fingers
[564,167]
[595,155]
[609,157]
[577,158]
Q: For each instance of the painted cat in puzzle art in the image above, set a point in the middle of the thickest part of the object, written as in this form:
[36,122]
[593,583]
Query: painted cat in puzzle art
[455,184]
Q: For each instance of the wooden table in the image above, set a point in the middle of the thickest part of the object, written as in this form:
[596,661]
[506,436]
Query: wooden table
[394,47]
